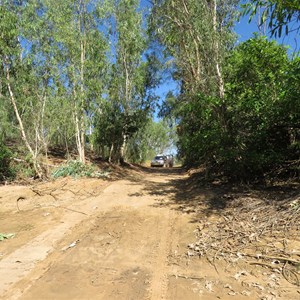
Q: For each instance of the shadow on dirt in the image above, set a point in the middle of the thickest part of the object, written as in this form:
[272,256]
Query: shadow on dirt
[159,171]
[192,193]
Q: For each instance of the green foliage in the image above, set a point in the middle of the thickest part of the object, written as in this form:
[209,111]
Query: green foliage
[8,29]
[195,36]
[111,124]
[56,55]
[280,14]
[151,139]
[261,126]
[74,66]
[127,105]
[258,105]
[84,65]
[76,168]
[5,236]
[6,171]
[200,132]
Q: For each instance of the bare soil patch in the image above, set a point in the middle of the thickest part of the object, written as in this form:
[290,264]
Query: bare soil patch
[148,234]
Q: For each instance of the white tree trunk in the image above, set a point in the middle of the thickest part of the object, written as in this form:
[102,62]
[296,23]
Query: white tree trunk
[217,56]
[82,61]
[21,126]
[80,147]
[123,148]
[110,153]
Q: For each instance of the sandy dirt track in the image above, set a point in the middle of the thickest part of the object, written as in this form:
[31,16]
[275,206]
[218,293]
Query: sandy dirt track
[123,239]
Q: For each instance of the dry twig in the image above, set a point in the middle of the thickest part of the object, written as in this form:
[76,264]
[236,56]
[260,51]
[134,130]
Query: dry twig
[246,229]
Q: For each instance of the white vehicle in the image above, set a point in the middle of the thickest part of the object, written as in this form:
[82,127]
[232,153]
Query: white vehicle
[159,161]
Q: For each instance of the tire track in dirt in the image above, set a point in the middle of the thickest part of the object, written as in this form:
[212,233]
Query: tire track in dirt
[159,282]
[21,262]
[139,258]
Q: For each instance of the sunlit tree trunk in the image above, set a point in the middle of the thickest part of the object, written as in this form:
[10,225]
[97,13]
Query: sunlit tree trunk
[81,126]
[111,153]
[33,153]
[220,80]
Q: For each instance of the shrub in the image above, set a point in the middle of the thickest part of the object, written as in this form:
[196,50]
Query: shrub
[76,168]
[5,158]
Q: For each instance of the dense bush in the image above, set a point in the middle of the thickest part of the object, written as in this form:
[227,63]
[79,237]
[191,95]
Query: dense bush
[262,107]
[6,170]
[259,127]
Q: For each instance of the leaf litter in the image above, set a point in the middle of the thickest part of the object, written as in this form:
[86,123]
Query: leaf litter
[255,232]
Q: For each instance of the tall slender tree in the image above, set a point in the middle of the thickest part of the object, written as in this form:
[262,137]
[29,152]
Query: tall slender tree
[17,74]
[80,60]
[127,90]
[197,36]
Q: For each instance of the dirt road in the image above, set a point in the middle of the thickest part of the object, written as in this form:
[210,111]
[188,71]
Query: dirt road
[124,239]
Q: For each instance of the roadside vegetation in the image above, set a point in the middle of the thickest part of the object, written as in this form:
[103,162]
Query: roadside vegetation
[89,85]
[82,77]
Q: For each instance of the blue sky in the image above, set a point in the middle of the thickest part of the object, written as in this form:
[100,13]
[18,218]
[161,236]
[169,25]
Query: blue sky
[245,31]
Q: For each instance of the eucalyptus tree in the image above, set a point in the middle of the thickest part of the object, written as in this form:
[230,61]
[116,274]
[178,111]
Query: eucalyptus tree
[17,73]
[68,51]
[82,59]
[197,36]
[53,69]
[39,49]
[127,89]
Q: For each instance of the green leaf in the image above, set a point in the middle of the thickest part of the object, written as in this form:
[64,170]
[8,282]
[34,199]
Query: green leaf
[4,236]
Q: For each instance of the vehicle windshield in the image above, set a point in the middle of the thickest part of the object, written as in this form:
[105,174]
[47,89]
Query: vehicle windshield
[158,157]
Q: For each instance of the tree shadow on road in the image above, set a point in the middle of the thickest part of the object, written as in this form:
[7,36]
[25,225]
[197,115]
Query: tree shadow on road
[194,194]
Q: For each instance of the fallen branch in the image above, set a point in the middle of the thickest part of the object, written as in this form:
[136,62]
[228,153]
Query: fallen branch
[73,210]
[264,264]
[279,258]
[188,277]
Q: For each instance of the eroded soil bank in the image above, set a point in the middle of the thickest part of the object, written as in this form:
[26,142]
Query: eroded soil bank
[154,235]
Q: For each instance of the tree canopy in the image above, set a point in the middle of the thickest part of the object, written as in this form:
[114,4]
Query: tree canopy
[84,76]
